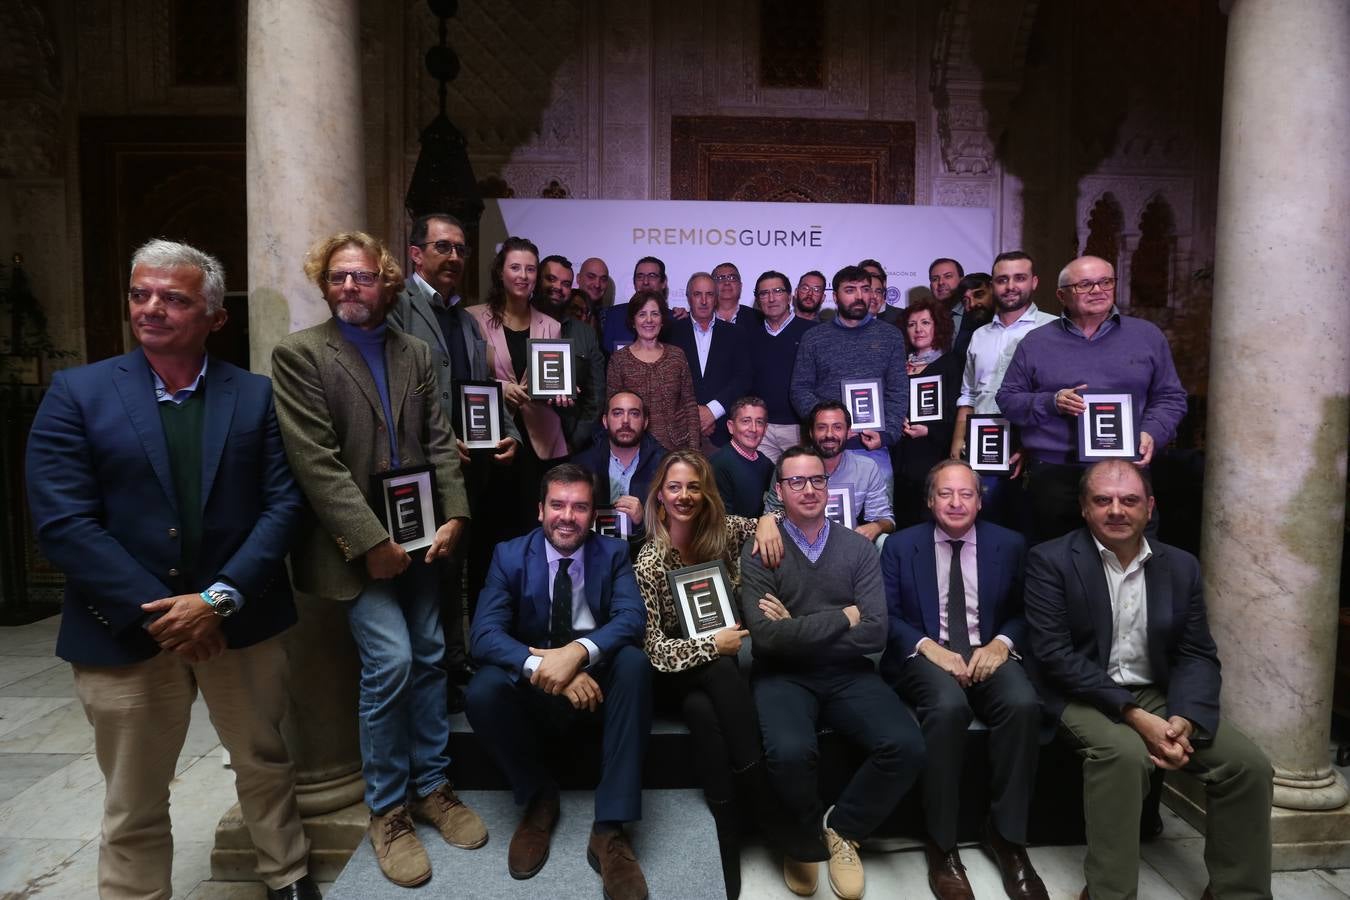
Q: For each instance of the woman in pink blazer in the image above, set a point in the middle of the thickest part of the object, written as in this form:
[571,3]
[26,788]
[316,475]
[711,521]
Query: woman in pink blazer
[508,322]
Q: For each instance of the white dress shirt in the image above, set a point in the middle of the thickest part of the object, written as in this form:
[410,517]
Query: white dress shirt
[990,354]
[1129,663]
[702,345]
[970,580]
[582,618]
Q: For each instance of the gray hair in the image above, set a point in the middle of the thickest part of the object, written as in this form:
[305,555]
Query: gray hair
[161,254]
[1064,277]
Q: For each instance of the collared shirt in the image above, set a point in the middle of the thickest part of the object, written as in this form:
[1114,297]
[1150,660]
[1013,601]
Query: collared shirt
[703,341]
[970,580]
[856,470]
[582,618]
[990,352]
[810,549]
[1111,321]
[779,330]
[621,476]
[752,455]
[436,298]
[177,398]
[1129,663]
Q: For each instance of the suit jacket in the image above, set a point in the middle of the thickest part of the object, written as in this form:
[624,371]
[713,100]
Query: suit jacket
[104,506]
[333,424]
[413,314]
[513,608]
[542,424]
[595,459]
[727,376]
[909,571]
[581,421]
[1068,609]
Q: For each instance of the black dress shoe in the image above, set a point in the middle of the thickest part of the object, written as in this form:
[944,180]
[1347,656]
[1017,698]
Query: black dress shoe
[946,875]
[1020,881]
[303,889]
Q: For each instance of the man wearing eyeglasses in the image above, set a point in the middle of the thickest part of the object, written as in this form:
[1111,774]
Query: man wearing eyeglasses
[430,308]
[1091,346]
[649,274]
[773,353]
[355,401]
[717,358]
[809,298]
[812,621]
[729,307]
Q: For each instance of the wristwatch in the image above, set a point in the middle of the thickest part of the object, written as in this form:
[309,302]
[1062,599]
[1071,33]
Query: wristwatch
[221,603]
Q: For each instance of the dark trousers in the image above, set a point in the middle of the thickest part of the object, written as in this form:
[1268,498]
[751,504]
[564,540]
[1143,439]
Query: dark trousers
[524,726]
[716,704]
[1055,508]
[462,575]
[1007,703]
[862,708]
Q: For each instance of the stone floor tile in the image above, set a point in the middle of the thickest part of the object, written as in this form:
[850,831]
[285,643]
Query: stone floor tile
[20,771]
[199,796]
[1181,862]
[60,728]
[16,713]
[26,863]
[1337,878]
[1308,885]
[35,639]
[19,668]
[55,680]
[67,804]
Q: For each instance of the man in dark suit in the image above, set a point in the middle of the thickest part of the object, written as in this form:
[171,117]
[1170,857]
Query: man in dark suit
[429,307]
[159,487]
[624,461]
[1126,665]
[552,297]
[954,597]
[559,631]
[717,355]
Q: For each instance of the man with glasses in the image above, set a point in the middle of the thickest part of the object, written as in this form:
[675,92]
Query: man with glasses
[729,307]
[357,400]
[773,354]
[648,275]
[1090,347]
[812,622]
[429,307]
[717,358]
[809,298]
[828,429]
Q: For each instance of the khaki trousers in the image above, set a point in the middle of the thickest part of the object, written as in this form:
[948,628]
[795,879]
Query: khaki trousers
[1238,790]
[140,716]
[778,438]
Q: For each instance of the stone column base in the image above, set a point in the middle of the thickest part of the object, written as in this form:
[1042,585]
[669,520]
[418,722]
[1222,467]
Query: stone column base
[1301,839]
[333,838]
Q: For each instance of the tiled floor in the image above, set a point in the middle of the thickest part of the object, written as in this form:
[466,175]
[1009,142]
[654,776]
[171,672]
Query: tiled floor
[51,796]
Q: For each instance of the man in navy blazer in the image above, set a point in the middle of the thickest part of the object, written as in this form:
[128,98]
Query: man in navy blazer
[1125,661]
[558,633]
[159,486]
[954,660]
[718,357]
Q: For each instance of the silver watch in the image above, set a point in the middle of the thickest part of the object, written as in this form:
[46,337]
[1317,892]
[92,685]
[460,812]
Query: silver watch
[221,603]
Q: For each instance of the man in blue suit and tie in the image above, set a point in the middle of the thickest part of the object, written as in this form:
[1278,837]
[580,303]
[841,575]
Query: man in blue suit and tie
[159,486]
[954,595]
[558,633]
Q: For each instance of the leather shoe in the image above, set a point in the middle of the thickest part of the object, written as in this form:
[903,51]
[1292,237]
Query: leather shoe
[946,875]
[303,888]
[1020,881]
[612,856]
[801,876]
[529,845]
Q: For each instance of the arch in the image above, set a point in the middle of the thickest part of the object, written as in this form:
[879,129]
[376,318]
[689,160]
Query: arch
[1152,263]
[1105,224]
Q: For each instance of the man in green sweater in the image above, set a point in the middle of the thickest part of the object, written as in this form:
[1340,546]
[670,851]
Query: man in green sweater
[812,621]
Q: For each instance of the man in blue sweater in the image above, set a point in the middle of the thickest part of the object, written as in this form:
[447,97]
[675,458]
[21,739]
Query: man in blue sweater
[1091,346]
[772,346]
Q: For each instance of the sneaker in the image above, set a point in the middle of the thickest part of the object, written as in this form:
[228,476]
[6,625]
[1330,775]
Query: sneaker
[846,871]
[459,825]
[800,877]
[401,856]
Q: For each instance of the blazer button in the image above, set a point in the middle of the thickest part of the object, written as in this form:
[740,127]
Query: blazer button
[444,363]
[173,532]
[445,395]
[173,573]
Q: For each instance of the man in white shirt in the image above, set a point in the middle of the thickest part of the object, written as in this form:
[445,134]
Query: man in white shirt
[1126,664]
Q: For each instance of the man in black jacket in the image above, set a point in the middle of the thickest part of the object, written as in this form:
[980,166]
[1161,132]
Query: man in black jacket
[624,461]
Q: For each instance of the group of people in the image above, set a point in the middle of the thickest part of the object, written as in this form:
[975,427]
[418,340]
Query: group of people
[170,486]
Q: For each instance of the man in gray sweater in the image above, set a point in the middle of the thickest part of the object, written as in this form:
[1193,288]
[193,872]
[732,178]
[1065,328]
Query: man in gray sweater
[812,621]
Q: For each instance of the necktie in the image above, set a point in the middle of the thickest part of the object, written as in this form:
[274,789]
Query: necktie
[958,632]
[560,625]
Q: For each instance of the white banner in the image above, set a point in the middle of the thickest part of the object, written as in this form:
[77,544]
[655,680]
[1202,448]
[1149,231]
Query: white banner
[792,238]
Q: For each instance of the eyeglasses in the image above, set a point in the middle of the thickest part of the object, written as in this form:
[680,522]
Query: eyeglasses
[771,292]
[365,279]
[446,248]
[797,483]
[727,277]
[819,291]
[645,277]
[1085,286]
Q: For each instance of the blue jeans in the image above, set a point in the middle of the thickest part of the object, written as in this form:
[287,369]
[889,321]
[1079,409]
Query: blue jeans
[405,725]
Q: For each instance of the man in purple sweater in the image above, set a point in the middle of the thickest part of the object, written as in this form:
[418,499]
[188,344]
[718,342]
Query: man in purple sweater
[1092,346]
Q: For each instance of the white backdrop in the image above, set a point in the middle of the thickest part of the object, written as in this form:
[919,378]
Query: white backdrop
[694,235]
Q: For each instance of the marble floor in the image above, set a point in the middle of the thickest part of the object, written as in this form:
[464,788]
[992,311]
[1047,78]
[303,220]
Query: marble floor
[51,796]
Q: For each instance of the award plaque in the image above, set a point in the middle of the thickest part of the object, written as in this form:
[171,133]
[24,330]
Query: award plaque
[480,414]
[551,372]
[989,444]
[925,399]
[839,505]
[1106,428]
[405,501]
[703,598]
[863,399]
[612,522]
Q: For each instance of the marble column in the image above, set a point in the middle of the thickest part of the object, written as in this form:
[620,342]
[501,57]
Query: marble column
[1279,377]
[306,180]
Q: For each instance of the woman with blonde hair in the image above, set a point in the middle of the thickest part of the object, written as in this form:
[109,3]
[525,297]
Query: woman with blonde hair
[687,524]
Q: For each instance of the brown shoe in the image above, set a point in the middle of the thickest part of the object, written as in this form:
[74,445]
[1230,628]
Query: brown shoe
[1020,881]
[529,845]
[401,856]
[801,877]
[612,856]
[459,825]
[946,875]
